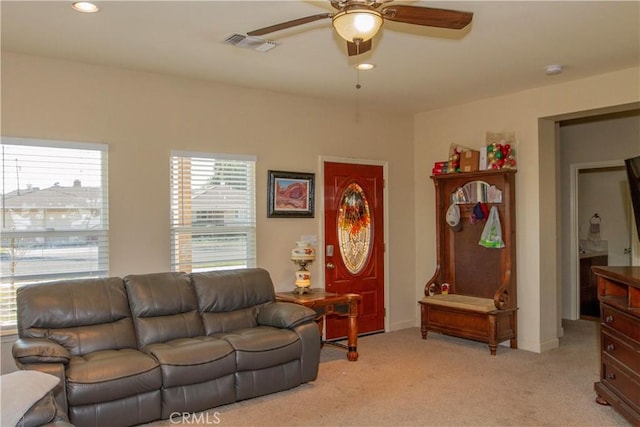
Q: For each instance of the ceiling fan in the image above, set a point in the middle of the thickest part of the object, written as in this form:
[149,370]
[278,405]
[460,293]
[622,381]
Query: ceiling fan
[357,21]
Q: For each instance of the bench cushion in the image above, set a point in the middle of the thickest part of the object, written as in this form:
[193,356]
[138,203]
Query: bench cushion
[484,305]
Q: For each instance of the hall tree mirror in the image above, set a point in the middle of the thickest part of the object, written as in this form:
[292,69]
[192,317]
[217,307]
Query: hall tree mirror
[476,192]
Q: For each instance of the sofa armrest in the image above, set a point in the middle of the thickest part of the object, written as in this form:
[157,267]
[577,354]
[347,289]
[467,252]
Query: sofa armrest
[285,315]
[39,350]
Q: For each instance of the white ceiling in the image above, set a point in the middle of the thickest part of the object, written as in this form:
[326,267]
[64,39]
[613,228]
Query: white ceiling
[505,49]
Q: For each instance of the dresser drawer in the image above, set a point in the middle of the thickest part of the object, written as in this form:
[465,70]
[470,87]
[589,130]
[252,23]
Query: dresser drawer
[620,322]
[624,351]
[625,383]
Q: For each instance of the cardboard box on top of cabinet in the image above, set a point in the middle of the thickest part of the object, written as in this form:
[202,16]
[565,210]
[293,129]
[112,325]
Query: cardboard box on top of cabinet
[469,161]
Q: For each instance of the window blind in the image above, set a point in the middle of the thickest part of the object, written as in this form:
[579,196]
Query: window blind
[54,215]
[213,213]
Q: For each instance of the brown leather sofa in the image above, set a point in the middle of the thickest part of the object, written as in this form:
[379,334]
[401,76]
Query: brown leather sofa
[146,347]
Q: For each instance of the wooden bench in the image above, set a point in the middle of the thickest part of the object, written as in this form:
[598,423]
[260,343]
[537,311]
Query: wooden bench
[469,317]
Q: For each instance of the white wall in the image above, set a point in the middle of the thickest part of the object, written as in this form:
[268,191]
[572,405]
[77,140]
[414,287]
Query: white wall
[531,114]
[143,116]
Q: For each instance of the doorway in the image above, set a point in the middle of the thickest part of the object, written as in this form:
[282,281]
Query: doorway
[601,228]
[591,140]
[354,253]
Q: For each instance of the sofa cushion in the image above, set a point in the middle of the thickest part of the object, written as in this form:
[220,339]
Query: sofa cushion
[193,360]
[263,347]
[229,321]
[83,316]
[164,307]
[239,294]
[109,375]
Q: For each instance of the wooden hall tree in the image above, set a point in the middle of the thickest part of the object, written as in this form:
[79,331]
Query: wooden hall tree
[480,302]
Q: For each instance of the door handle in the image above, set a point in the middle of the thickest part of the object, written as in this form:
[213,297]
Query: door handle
[331,265]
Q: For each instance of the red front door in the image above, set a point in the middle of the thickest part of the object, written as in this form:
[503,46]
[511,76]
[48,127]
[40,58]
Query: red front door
[354,239]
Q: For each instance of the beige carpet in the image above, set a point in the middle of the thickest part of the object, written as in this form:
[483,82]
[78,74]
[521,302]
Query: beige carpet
[402,380]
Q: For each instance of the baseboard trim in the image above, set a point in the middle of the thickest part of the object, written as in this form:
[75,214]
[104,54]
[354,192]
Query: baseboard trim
[402,325]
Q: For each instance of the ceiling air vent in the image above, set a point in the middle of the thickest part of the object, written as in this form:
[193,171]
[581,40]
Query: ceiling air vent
[250,42]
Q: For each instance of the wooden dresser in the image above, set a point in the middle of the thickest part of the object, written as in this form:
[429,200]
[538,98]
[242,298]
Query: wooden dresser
[619,295]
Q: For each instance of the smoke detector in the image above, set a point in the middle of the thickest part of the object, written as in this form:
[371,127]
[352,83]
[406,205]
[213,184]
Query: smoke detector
[553,69]
[251,42]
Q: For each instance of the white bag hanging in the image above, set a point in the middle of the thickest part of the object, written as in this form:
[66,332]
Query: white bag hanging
[453,217]
[491,236]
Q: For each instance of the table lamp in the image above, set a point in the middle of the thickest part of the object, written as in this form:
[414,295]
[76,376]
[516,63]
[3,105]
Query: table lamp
[302,255]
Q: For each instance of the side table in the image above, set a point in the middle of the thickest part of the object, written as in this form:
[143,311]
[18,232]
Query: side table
[325,303]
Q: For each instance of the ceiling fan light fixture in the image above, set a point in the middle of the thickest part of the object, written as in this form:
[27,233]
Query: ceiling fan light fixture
[357,24]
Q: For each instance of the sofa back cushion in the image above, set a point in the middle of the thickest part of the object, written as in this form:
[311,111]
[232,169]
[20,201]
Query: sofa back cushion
[83,315]
[231,299]
[164,307]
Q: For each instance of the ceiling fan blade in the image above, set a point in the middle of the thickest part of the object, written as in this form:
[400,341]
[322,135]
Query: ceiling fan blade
[428,16]
[289,24]
[354,49]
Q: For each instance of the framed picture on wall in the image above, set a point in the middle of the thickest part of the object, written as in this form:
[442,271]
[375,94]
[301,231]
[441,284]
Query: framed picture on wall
[291,194]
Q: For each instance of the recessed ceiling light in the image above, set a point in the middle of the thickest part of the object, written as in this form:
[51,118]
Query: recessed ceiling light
[364,67]
[85,6]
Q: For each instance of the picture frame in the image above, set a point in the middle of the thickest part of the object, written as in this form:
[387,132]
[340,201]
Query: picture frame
[291,194]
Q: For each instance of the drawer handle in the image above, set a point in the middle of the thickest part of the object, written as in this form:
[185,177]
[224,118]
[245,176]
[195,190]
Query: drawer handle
[609,319]
[611,376]
[611,347]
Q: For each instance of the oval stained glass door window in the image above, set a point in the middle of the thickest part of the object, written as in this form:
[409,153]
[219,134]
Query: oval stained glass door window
[354,228]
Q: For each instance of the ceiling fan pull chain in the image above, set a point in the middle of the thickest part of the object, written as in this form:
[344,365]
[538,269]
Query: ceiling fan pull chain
[357,42]
[358,86]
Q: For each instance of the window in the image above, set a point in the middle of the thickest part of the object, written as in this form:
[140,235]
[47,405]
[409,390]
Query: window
[213,212]
[54,215]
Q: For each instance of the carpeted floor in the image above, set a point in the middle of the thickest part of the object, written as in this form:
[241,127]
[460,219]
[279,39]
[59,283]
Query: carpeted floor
[402,380]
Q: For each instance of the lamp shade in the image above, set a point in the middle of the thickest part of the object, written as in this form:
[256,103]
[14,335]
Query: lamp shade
[357,24]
